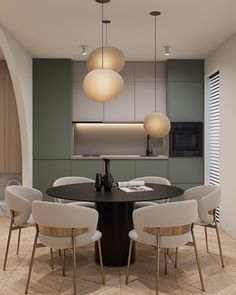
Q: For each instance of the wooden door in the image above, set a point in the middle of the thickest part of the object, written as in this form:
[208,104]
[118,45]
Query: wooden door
[12,143]
[1,116]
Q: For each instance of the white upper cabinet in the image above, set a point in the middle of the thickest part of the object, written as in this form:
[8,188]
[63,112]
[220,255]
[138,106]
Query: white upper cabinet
[144,99]
[127,73]
[161,97]
[135,101]
[145,71]
[145,89]
[121,108]
[84,109]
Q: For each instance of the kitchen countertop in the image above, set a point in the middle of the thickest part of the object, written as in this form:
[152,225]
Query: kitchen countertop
[119,157]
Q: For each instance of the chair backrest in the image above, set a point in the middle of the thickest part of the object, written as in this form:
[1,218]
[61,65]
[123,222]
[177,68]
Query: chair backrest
[70,180]
[208,198]
[153,179]
[170,215]
[63,216]
[19,200]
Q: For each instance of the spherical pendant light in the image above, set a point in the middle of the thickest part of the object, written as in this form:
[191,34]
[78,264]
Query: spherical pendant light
[113,59]
[156,125]
[102,84]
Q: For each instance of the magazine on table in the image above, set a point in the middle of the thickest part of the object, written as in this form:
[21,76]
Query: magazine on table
[133,186]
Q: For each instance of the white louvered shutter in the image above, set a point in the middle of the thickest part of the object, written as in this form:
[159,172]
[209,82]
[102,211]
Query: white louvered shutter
[214,131]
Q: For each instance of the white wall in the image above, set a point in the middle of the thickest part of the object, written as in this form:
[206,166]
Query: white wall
[20,66]
[224,60]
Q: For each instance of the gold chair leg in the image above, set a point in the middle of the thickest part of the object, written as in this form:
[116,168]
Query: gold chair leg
[101,261]
[165,260]
[157,263]
[129,258]
[176,257]
[52,260]
[18,242]
[197,259]
[74,261]
[63,262]
[206,237]
[31,260]
[59,252]
[8,244]
[219,243]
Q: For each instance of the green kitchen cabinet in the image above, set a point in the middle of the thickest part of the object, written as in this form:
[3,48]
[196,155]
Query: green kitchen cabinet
[185,90]
[182,70]
[186,170]
[52,108]
[45,172]
[186,101]
[86,168]
[151,168]
[123,170]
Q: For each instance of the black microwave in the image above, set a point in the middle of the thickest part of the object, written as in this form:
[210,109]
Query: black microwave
[186,139]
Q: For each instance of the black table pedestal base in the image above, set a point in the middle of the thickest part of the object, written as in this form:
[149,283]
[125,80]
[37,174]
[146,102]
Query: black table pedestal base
[115,222]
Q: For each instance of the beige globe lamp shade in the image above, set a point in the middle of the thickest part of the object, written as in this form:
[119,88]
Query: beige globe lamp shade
[157,125]
[113,59]
[102,85]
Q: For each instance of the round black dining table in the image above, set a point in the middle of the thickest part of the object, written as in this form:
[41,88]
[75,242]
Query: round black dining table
[115,209]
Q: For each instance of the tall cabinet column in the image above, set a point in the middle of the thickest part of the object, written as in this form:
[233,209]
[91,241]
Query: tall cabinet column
[52,120]
[185,103]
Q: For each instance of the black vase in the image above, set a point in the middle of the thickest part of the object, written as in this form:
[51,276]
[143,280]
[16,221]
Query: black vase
[98,182]
[108,181]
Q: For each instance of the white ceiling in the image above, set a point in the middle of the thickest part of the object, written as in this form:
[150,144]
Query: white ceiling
[56,28]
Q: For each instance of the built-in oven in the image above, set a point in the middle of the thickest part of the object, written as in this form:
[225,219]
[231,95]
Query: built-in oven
[186,139]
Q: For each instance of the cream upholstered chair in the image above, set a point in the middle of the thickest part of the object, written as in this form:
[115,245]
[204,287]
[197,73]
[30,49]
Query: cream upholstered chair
[208,198]
[19,201]
[151,179]
[164,226]
[63,226]
[73,180]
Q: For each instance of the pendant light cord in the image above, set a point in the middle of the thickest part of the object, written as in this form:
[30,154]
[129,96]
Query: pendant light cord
[102,35]
[155,13]
[155,63]
[106,34]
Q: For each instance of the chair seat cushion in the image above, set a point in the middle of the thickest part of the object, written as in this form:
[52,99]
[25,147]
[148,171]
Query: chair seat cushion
[200,222]
[144,204]
[30,222]
[85,204]
[165,241]
[66,242]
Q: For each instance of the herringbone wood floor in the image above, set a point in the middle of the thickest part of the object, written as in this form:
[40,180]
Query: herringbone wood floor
[182,281]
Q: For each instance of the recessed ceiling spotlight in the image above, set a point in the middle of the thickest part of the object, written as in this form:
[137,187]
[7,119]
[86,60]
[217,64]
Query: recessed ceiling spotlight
[84,49]
[167,50]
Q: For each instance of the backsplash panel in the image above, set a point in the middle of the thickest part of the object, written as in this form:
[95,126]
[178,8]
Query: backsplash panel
[113,139]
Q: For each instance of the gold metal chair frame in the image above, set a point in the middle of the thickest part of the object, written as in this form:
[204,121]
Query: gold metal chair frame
[12,228]
[166,231]
[215,226]
[62,232]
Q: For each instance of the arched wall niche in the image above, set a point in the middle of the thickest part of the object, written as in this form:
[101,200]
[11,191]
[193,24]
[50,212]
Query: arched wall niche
[19,63]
